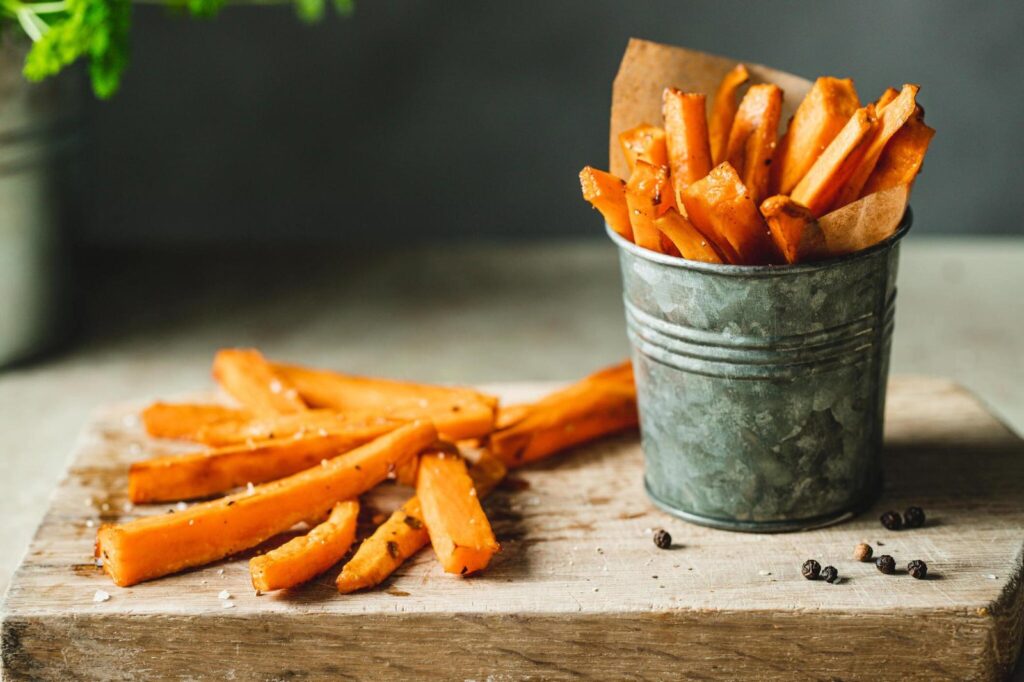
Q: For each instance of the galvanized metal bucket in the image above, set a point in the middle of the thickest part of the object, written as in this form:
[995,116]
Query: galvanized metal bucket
[761,389]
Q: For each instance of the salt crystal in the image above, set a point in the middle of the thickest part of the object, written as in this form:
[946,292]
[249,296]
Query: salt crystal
[472,492]
[322,431]
[292,394]
[228,605]
[220,571]
[101,596]
[250,488]
[127,506]
[181,506]
[275,386]
[191,522]
[130,420]
[89,523]
[991,577]
[99,562]
[223,594]
[764,572]
[323,462]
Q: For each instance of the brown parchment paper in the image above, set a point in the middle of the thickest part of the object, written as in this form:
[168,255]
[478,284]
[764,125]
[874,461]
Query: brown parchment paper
[648,68]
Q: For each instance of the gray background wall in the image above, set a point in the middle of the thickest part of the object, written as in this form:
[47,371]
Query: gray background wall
[419,120]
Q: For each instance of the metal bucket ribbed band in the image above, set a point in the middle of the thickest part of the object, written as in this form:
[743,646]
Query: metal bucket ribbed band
[722,354]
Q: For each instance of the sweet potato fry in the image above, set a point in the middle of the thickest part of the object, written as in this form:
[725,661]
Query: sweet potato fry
[752,138]
[795,231]
[248,378]
[305,557]
[596,406]
[201,474]
[689,242]
[185,421]
[890,120]
[723,111]
[887,96]
[902,158]
[645,142]
[721,208]
[821,115]
[404,534]
[321,422]
[648,194]
[459,530]
[458,413]
[607,194]
[686,138]
[818,188]
[153,546]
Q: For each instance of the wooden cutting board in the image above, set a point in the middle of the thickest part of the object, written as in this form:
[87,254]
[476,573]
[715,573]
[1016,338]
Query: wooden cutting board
[579,588]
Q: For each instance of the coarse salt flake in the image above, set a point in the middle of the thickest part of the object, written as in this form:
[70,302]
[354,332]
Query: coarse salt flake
[89,523]
[275,386]
[323,462]
[127,506]
[223,594]
[250,488]
[228,605]
[181,506]
[101,595]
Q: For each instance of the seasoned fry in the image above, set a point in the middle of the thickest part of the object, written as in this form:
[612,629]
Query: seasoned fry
[795,231]
[892,118]
[648,194]
[459,530]
[887,96]
[305,557]
[318,422]
[201,474]
[404,534]
[721,208]
[752,138]
[458,413]
[247,377]
[607,194]
[153,546]
[185,421]
[723,111]
[819,187]
[902,158]
[645,143]
[686,139]
[819,118]
[599,405]
[688,241]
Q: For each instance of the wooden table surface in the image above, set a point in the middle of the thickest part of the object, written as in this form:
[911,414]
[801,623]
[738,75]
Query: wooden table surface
[579,589]
[547,311]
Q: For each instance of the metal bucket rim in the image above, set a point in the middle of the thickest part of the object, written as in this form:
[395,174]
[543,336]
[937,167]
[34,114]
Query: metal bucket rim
[762,270]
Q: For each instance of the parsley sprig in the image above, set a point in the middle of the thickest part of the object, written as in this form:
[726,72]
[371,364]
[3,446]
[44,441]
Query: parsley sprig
[65,31]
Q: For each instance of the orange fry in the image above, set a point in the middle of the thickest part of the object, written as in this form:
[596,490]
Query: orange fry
[821,115]
[185,420]
[796,233]
[721,208]
[902,158]
[889,95]
[459,530]
[648,194]
[152,546]
[723,110]
[686,138]
[247,376]
[752,138]
[645,142]
[404,534]
[689,242]
[819,186]
[890,120]
[607,194]
[320,422]
[305,557]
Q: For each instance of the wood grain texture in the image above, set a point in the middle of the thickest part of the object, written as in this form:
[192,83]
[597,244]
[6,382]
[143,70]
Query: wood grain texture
[579,588]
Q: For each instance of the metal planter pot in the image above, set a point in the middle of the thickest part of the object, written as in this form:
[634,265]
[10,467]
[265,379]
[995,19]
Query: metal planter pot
[761,389]
[36,140]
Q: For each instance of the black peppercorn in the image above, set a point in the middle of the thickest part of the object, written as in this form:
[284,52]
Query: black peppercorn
[811,569]
[918,569]
[891,520]
[886,564]
[913,517]
[662,539]
[830,574]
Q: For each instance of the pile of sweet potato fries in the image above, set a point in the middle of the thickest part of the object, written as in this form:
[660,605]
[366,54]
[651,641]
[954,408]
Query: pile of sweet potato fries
[724,190]
[302,445]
